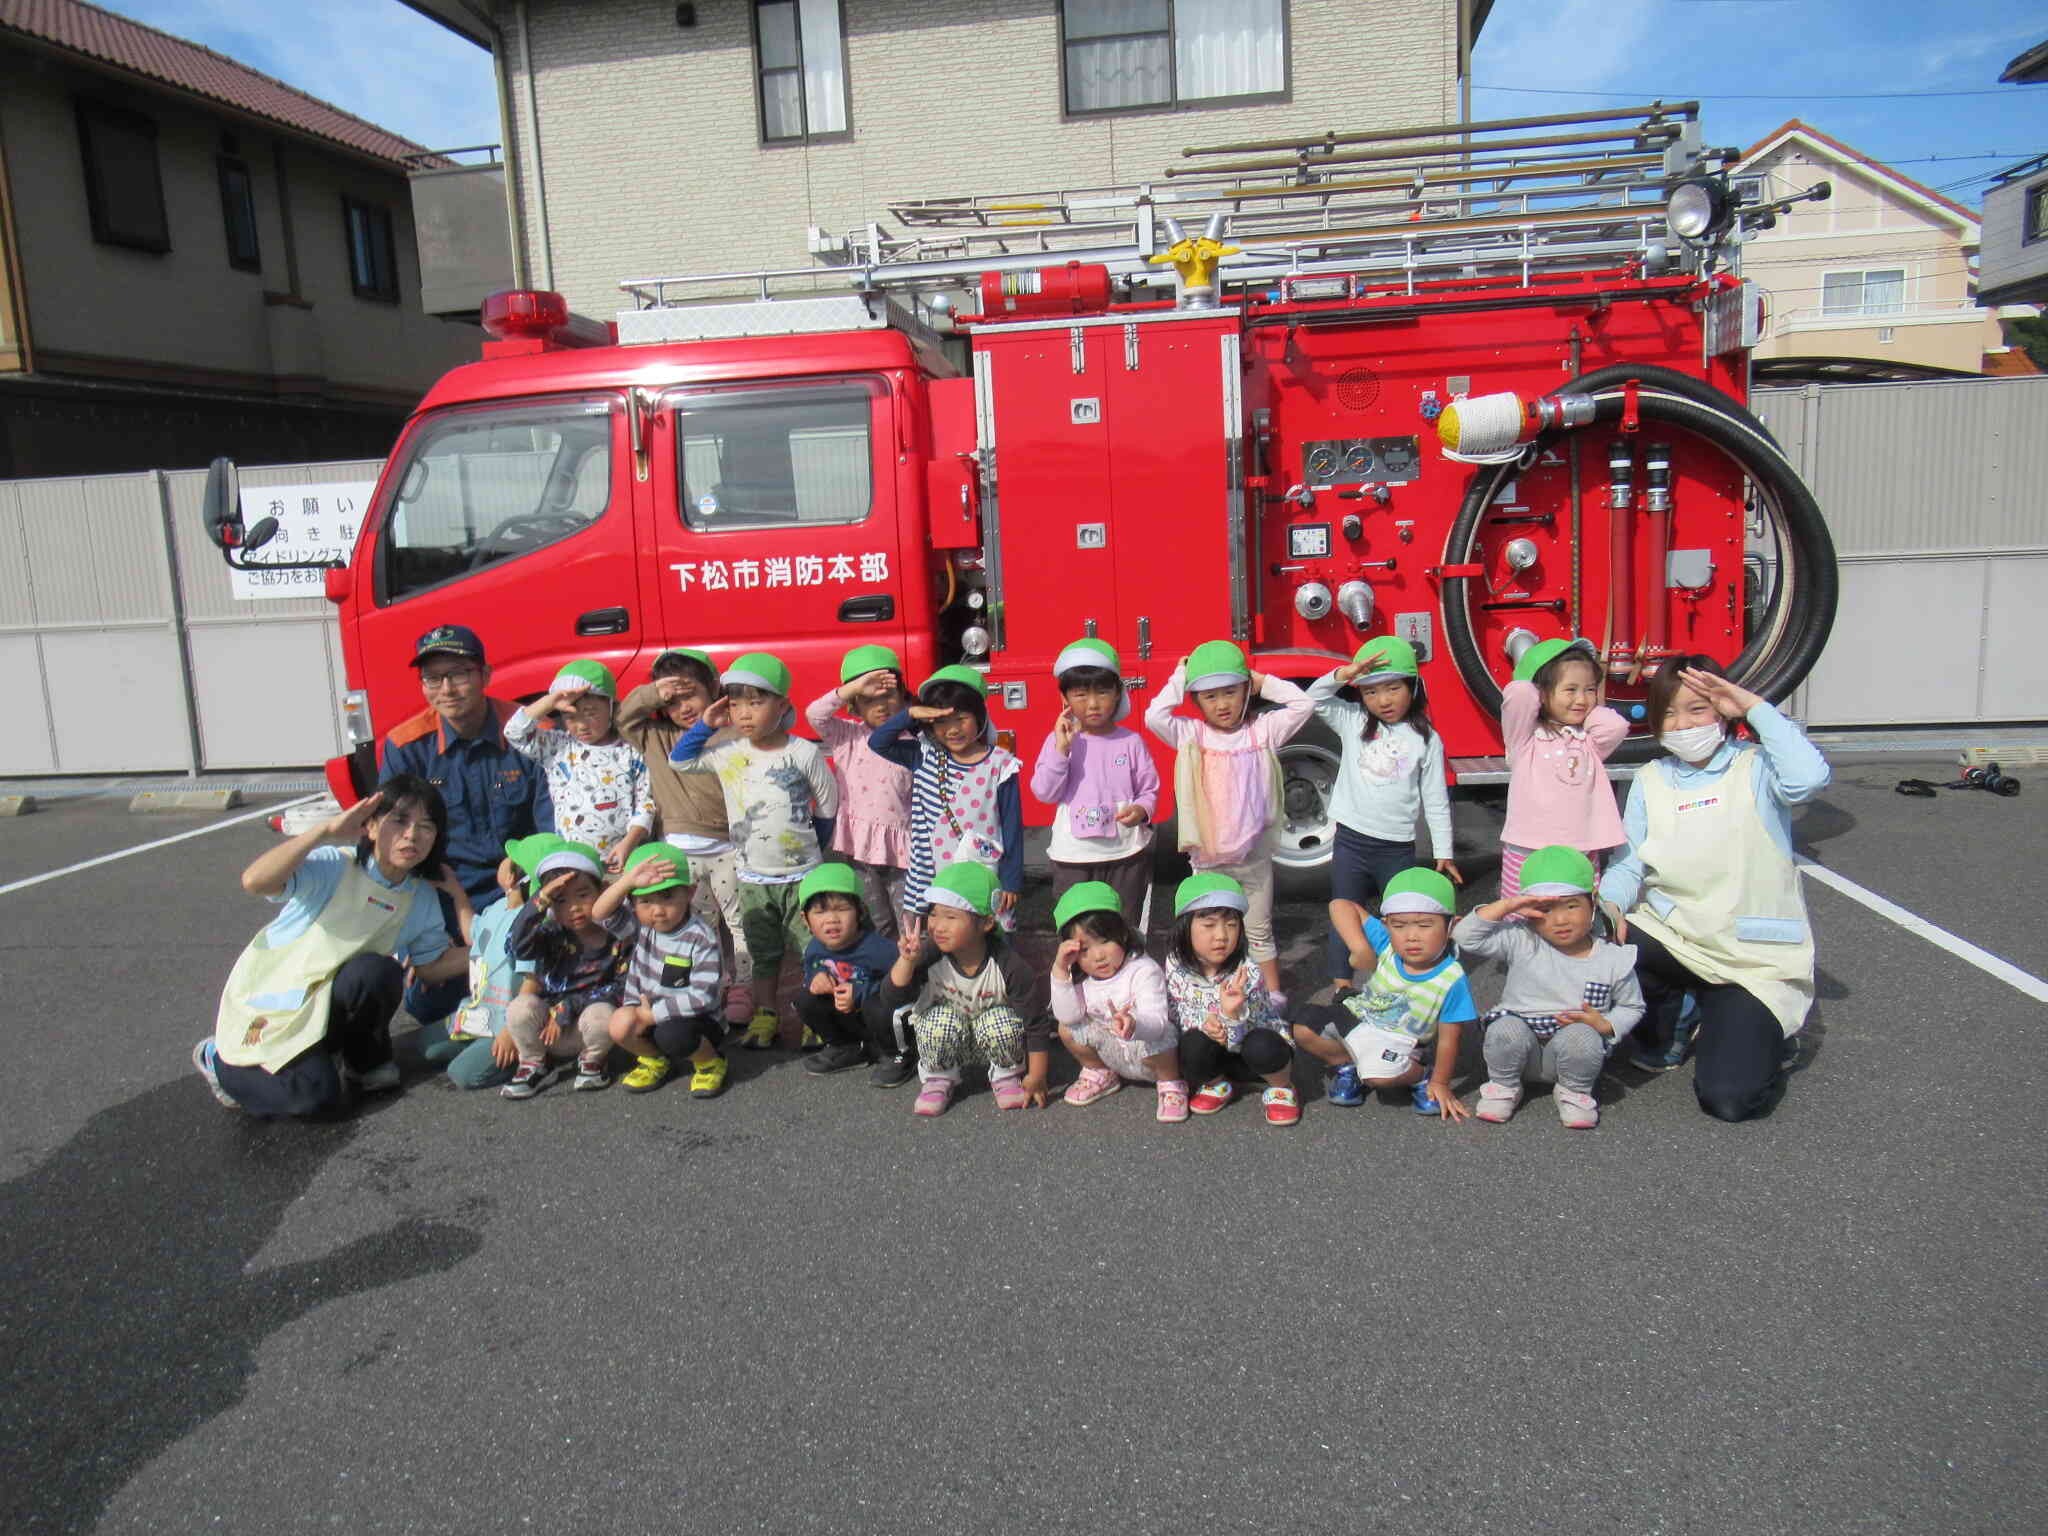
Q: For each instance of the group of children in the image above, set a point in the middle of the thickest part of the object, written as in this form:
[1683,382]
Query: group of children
[692,854]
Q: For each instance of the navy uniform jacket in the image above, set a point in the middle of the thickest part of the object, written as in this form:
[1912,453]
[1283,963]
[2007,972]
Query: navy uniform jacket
[493,793]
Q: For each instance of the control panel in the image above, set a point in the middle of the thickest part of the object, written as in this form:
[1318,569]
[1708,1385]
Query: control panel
[1348,460]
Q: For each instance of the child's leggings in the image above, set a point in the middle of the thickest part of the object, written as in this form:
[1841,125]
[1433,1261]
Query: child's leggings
[1571,1058]
[1360,867]
[1261,1053]
[882,893]
[949,1040]
[528,1016]
[1256,876]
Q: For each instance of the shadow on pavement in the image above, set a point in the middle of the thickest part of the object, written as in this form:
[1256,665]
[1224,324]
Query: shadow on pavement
[127,1315]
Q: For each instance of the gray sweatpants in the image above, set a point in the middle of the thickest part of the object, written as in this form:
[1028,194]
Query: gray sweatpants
[1571,1058]
[528,1016]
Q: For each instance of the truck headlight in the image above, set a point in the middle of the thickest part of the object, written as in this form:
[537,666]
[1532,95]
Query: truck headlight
[1697,210]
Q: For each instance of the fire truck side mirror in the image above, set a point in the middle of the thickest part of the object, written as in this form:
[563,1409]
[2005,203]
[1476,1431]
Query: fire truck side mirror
[223,506]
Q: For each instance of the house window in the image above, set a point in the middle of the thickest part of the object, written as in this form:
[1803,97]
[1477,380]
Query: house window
[1848,295]
[2036,218]
[238,215]
[800,50]
[124,186]
[372,257]
[1144,53]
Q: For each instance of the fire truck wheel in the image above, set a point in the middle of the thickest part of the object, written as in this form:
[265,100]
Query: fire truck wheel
[1308,772]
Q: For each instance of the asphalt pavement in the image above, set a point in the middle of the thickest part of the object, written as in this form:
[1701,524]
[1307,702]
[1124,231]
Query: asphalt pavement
[797,1308]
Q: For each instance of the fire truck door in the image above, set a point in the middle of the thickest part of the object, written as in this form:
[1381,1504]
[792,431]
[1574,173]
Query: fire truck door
[514,519]
[775,521]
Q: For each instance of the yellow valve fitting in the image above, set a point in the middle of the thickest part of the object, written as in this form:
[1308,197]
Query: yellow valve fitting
[1194,258]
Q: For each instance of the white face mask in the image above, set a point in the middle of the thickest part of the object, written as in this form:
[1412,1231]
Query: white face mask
[1694,744]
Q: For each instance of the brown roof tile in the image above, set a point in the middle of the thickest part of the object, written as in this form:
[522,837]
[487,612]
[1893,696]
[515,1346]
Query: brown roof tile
[129,45]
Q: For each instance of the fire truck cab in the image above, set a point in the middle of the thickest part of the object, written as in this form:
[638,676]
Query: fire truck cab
[1484,391]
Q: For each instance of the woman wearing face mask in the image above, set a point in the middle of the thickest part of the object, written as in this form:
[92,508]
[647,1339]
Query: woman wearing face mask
[1709,887]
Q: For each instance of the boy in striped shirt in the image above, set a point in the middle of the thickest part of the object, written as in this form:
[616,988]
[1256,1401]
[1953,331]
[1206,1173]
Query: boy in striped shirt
[668,1006]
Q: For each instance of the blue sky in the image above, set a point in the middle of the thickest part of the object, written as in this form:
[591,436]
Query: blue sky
[1825,61]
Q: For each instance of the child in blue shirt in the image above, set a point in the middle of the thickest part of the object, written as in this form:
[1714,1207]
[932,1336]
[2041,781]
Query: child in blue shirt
[844,964]
[472,1042]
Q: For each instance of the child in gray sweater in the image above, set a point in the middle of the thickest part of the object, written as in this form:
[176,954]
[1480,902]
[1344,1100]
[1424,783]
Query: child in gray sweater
[1570,996]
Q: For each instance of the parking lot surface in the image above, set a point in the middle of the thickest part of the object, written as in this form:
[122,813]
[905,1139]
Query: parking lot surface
[797,1308]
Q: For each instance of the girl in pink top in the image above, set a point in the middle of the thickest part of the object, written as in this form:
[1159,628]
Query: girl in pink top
[1559,736]
[874,793]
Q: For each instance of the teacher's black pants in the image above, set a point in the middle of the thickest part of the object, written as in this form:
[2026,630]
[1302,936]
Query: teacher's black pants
[1737,1047]
[365,991]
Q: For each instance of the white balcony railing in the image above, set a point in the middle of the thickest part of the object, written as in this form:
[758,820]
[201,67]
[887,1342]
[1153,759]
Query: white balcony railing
[1816,318]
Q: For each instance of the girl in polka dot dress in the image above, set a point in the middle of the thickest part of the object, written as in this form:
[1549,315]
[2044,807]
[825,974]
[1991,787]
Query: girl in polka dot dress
[1559,736]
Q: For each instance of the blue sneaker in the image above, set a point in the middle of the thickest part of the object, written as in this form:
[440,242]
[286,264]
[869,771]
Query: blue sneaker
[1345,1088]
[1424,1104]
[1681,1041]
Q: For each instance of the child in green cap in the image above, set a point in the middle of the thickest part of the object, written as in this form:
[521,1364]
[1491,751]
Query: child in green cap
[564,1007]
[668,1002]
[1558,735]
[472,1042]
[780,798]
[1109,998]
[1218,1002]
[1100,780]
[1404,1025]
[1390,771]
[1226,780]
[873,829]
[844,964]
[1570,997]
[596,779]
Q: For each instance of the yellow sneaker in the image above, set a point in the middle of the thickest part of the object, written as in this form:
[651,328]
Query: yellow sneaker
[759,1035]
[812,1040]
[707,1078]
[649,1072]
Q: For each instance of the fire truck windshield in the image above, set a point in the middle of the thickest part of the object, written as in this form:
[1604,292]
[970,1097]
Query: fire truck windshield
[489,483]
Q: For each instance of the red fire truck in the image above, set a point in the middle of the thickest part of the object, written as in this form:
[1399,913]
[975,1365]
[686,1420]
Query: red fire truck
[1476,384]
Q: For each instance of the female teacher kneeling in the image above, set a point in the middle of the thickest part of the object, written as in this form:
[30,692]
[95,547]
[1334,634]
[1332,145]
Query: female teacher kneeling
[1709,888]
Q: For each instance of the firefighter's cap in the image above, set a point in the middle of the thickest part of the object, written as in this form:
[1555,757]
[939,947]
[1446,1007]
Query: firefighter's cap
[757,669]
[1088,896]
[586,677]
[648,851]
[863,659]
[957,674]
[1419,890]
[967,886]
[1385,659]
[1541,654]
[449,640]
[1557,871]
[1199,893]
[829,880]
[1217,664]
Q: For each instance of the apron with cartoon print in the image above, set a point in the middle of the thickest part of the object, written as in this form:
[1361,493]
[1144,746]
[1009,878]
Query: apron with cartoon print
[276,1001]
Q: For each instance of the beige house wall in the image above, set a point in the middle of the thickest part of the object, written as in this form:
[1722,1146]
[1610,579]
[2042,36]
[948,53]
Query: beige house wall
[186,315]
[650,143]
[1865,225]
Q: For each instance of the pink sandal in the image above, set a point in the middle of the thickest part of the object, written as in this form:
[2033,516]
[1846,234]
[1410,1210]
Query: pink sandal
[1093,1084]
[1009,1092]
[1173,1102]
[933,1097]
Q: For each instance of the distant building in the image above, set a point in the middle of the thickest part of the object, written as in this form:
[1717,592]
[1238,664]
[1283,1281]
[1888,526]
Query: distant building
[195,258]
[1883,271]
[649,138]
[2016,211]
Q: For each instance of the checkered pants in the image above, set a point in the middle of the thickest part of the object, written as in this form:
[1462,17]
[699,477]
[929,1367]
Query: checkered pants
[950,1039]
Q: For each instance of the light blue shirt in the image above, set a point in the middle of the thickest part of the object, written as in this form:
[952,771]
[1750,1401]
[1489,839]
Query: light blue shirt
[1791,772]
[312,886]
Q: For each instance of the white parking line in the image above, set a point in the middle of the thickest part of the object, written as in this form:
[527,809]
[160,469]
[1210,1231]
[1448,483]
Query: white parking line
[1962,949]
[162,842]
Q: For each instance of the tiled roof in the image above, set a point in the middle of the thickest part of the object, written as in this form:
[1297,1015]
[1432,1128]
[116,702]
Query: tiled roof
[1794,125]
[129,45]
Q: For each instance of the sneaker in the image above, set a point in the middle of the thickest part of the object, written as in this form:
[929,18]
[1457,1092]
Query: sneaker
[1282,1107]
[381,1079]
[933,1097]
[892,1071]
[1681,1041]
[759,1034]
[202,1058]
[1009,1091]
[707,1078]
[1424,1104]
[1578,1111]
[590,1073]
[1173,1102]
[528,1078]
[1094,1083]
[811,1040]
[648,1074]
[835,1058]
[1213,1096]
[1346,1091]
[1497,1102]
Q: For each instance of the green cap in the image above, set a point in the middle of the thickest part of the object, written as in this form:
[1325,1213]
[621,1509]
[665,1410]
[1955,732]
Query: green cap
[757,669]
[1217,664]
[1199,892]
[1087,652]
[829,880]
[1419,890]
[586,677]
[967,885]
[702,658]
[1088,896]
[647,851]
[1541,654]
[1557,871]
[527,852]
[580,857]
[1385,659]
[863,659]
[957,674]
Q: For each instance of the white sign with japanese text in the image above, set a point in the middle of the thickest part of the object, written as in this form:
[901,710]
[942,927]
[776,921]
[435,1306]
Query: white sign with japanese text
[314,522]
[868,567]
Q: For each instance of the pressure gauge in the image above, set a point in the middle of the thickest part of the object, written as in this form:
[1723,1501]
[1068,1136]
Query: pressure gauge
[1322,464]
[1358,459]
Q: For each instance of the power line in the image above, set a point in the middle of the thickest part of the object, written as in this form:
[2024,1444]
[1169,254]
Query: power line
[1534,90]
